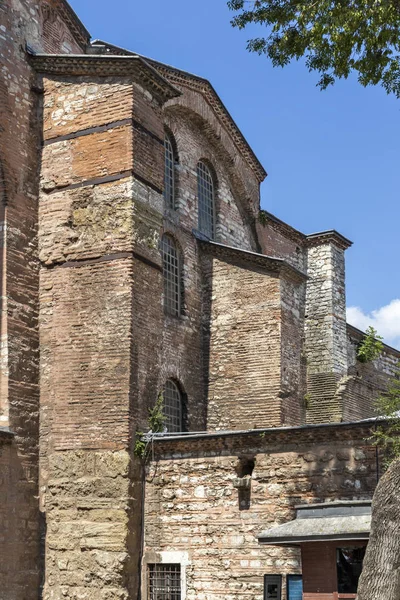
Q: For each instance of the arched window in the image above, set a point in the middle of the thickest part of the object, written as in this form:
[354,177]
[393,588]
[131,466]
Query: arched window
[172,407]
[169,172]
[171,260]
[206,200]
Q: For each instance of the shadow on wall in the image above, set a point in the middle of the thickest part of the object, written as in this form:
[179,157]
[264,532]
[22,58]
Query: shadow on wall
[18,518]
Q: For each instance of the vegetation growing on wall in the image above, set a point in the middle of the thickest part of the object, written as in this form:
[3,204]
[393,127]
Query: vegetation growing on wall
[156,425]
[370,347]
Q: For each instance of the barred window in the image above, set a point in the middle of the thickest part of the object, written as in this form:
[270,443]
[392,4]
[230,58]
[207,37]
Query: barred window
[164,582]
[206,200]
[172,407]
[169,173]
[172,276]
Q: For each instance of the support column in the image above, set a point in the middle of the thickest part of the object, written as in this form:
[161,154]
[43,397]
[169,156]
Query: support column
[325,325]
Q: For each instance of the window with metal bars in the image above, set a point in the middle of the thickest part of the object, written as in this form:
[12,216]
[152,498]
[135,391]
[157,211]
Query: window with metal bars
[172,271]
[206,200]
[169,173]
[172,407]
[164,582]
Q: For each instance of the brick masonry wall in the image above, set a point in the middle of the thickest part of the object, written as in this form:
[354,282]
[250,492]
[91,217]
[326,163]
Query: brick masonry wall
[192,508]
[244,360]
[98,246]
[21,23]
[18,524]
[195,142]
[280,240]
[365,381]
[293,367]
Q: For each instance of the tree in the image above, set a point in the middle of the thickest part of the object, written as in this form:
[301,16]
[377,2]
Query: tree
[380,578]
[335,37]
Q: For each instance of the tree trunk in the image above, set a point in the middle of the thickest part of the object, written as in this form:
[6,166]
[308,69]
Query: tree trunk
[380,579]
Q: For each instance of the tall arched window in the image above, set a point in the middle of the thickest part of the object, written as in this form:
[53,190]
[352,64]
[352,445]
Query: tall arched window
[172,269]
[206,200]
[172,407]
[169,172]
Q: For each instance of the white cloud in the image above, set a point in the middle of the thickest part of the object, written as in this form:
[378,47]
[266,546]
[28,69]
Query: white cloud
[386,320]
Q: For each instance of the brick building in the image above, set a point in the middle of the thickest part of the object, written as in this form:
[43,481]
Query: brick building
[134,260]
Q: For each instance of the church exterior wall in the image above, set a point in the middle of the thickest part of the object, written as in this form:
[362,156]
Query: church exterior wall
[23,23]
[193,512]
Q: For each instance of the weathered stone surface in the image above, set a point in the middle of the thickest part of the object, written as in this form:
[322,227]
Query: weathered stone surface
[86,346]
[192,505]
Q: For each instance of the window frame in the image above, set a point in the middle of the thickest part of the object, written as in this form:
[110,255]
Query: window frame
[178,594]
[172,275]
[177,389]
[206,212]
[170,161]
[278,581]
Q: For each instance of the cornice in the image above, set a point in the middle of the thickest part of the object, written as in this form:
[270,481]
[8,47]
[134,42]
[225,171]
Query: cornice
[106,66]
[239,256]
[204,87]
[328,237]
[74,22]
[287,230]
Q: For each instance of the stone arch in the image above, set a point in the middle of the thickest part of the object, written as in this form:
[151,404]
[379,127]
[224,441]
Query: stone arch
[229,162]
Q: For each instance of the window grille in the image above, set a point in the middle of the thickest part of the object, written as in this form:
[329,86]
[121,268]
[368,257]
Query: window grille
[206,200]
[172,276]
[169,173]
[172,407]
[272,587]
[164,582]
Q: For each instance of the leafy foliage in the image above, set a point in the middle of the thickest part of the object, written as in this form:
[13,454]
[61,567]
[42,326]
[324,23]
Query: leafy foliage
[156,424]
[371,346]
[387,436]
[156,415]
[140,445]
[336,37]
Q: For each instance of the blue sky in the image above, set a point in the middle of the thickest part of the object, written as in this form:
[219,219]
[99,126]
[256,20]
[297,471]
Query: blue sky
[332,157]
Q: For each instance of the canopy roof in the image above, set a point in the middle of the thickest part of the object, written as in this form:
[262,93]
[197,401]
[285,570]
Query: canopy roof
[323,522]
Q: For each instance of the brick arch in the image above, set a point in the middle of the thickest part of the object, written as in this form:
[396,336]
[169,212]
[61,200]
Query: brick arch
[223,158]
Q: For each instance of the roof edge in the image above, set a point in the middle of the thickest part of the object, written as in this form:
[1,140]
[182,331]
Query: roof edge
[268,262]
[105,65]
[76,20]
[235,131]
[162,437]
[361,333]
[329,236]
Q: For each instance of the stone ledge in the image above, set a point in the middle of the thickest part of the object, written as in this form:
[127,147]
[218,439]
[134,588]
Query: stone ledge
[237,255]
[106,66]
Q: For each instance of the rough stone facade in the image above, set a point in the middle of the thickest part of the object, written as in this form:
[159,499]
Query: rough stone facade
[193,506]
[86,345]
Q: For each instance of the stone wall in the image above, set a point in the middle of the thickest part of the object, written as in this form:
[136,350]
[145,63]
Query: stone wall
[193,513]
[253,321]
[365,381]
[22,23]
[281,240]
[194,142]
[98,245]
[325,326]
[19,522]
[244,362]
